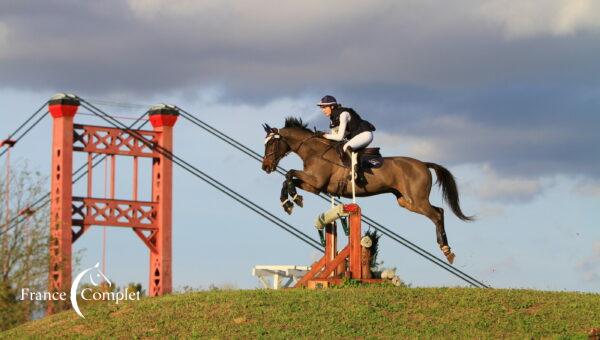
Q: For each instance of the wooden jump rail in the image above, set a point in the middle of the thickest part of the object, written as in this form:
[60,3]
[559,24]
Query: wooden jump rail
[349,263]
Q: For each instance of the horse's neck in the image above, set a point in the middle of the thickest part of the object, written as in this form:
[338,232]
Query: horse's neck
[306,147]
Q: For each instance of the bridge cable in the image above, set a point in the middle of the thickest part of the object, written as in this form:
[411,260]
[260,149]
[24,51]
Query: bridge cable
[369,221]
[45,200]
[24,124]
[386,231]
[208,179]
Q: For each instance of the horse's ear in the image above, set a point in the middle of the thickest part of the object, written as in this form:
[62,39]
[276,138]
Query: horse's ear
[267,128]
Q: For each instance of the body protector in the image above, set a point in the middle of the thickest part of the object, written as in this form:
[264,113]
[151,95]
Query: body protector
[356,124]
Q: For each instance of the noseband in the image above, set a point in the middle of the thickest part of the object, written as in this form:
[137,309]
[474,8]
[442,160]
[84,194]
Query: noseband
[275,135]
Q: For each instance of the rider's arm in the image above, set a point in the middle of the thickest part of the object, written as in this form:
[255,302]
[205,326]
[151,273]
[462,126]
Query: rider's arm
[341,131]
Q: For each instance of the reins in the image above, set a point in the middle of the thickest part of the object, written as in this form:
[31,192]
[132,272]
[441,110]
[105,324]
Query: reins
[326,142]
[296,150]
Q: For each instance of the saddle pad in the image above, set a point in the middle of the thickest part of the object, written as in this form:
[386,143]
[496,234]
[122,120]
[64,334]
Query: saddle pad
[371,161]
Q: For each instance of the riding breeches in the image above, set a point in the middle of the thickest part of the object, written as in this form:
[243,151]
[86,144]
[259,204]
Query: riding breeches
[359,141]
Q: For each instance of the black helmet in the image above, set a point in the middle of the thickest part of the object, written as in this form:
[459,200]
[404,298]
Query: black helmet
[328,101]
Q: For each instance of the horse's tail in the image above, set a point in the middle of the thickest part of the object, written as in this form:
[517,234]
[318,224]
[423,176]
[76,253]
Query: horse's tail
[446,181]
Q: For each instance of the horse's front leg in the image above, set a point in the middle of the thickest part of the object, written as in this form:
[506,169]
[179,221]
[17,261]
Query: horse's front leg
[285,202]
[293,179]
[299,200]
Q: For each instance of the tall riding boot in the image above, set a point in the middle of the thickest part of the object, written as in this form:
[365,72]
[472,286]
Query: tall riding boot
[360,179]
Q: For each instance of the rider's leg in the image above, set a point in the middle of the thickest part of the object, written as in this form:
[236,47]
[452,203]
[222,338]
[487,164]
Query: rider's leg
[359,141]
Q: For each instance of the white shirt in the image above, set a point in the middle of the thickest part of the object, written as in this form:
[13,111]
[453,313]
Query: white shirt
[341,131]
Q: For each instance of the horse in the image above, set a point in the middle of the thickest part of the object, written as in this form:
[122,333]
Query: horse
[407,178]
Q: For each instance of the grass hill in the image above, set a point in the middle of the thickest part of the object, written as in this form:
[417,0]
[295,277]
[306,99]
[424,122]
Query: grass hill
[375,311]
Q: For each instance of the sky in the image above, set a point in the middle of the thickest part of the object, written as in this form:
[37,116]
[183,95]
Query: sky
[505,94]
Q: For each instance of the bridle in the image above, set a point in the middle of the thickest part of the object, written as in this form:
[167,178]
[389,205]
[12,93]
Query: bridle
[275,135]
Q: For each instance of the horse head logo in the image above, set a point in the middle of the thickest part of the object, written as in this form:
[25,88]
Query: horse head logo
[96,277]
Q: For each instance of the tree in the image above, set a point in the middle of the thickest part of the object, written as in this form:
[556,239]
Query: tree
[23,244]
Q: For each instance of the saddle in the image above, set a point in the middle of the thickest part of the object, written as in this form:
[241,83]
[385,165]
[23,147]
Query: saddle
[368,158]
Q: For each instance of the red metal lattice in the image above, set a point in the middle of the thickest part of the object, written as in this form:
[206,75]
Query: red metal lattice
[112,141]
[116,213]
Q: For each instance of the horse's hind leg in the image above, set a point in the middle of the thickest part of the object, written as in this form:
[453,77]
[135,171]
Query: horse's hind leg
[436,215]
[442,239]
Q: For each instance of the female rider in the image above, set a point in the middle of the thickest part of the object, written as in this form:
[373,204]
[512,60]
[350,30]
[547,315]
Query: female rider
[346,124]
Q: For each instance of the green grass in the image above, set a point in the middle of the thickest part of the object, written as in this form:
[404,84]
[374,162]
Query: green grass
[351,312]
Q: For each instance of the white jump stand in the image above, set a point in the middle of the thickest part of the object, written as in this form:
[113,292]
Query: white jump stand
[278,273]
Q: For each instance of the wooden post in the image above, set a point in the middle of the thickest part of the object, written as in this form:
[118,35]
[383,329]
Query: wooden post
[331,242]
[366,263]
[354,240]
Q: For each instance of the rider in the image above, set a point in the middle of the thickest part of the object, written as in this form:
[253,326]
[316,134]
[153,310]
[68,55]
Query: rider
[346,124]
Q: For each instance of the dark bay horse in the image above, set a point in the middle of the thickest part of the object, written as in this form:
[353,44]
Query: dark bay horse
[407,178]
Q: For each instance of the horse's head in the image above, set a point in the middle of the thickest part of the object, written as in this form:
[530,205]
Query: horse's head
[275,149]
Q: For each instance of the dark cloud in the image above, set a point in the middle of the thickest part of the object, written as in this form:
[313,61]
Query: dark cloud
[473,81]
[520,130]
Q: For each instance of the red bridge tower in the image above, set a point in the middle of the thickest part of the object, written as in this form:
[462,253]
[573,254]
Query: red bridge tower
[72,216]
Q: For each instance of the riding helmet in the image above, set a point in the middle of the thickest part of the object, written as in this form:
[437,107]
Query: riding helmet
[328,101]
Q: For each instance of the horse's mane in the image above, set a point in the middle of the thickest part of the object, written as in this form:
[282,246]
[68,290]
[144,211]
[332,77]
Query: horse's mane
[293,122]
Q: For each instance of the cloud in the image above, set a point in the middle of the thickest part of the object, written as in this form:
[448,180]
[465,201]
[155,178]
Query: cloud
[3,39]
[404,144]
[587,187]
[524,19]
[508,190]
[487,212]
[513,143]
[590,266]
[152,9]
[443,79]
[288,48]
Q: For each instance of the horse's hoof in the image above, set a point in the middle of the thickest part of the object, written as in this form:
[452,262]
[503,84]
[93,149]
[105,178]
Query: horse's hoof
[299,200]
[450,257]
[448,253]
[288,207]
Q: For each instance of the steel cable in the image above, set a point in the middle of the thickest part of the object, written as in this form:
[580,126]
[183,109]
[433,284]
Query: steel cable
[210,180]
[45,200]
[24,124]
[366,219]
